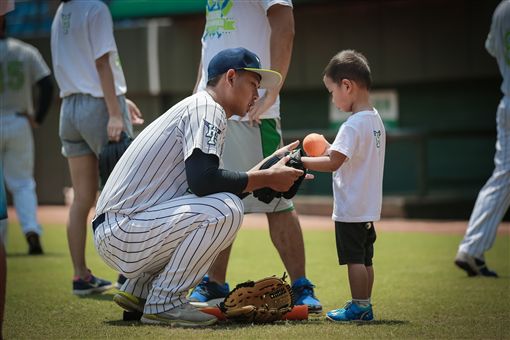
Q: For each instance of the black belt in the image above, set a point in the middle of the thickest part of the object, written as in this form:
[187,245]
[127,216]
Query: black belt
[97,221]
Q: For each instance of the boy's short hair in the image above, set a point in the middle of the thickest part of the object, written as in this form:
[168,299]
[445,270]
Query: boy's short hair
[349,64]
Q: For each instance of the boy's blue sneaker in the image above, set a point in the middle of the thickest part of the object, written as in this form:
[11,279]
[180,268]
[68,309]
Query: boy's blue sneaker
[351,312]
[91,285]
[304,295]
[208,294]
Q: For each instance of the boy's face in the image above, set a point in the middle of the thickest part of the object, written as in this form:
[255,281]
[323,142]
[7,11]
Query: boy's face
[340,93]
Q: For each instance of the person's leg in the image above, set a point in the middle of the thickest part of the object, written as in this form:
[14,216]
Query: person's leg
[371,277]
[287,237]
[358,281]
[18,166]
[84,178]
[491,204]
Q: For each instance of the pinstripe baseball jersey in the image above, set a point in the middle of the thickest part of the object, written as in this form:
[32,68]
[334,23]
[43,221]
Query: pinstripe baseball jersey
[152,170]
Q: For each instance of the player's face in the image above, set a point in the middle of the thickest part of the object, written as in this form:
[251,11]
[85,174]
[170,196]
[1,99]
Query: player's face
[246,85]
[339,93]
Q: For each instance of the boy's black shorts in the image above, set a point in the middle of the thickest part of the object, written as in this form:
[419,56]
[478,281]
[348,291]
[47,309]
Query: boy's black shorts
[355,242]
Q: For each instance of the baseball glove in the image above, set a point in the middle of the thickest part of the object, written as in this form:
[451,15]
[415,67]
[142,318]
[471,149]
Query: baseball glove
[262,301]
[267,194]
[110,155]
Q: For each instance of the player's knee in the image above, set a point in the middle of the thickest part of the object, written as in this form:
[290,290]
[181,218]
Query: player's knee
[234,209]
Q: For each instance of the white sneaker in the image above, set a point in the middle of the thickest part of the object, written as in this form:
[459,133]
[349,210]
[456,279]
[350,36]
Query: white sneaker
[185,315]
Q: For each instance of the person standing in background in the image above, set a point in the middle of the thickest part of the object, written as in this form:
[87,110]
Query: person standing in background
[266,28]
[21,67]
[94,110]
[494,198]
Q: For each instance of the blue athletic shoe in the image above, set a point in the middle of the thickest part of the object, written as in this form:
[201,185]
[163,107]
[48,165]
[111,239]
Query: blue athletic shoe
[91,285]
[208,294]
[351,312]
[304,295]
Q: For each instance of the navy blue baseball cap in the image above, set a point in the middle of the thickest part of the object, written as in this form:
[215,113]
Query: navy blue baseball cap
[242,59]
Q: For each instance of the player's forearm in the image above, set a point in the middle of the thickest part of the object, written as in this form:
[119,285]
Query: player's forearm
[199,76]
[281,20]
[45,96]
[108,85]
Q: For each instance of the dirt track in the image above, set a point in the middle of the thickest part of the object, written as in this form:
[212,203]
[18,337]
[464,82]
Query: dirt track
[58,214]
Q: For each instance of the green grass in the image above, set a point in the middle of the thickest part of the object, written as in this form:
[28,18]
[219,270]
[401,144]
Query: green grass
[418,292]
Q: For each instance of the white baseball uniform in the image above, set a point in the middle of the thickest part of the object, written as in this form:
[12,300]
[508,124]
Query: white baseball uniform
[494,198]
[160,236]
[21,67]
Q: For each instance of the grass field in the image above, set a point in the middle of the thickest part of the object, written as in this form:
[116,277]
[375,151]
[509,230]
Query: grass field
[418,292]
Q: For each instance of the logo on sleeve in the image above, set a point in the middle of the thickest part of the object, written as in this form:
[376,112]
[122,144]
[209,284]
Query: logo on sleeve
[212,133]
[377,135]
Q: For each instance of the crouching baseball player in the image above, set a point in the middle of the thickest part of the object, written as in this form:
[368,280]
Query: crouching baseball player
[168,209]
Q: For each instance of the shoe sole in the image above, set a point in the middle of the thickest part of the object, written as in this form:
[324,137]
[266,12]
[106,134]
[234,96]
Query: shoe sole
[466,267]
[210,303]
[154,320]
[91,291]
[357,320]
[127,304]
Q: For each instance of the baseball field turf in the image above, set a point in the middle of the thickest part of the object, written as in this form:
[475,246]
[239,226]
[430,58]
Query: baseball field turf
[418,293]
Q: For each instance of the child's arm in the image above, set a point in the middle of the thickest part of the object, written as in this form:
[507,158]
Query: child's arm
[327,163]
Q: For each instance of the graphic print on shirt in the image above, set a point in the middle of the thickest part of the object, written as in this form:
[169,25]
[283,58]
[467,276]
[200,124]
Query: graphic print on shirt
[212,133]
[218,22]
[377,135]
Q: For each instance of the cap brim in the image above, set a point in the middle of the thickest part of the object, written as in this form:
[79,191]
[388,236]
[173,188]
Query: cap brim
[269,78]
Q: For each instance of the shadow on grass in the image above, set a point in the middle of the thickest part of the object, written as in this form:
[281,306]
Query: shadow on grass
[38,256]
[381,322]
[101,297]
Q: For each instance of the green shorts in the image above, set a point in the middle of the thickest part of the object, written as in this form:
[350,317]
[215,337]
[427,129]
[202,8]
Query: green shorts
[245,146]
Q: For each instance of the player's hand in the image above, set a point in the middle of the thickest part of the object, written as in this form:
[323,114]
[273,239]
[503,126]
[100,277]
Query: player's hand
[134,112]
[31,120]
[115,127]
[261,106]
[286,148]
[282,176]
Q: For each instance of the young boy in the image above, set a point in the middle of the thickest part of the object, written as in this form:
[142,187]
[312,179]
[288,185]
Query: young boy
[356,159]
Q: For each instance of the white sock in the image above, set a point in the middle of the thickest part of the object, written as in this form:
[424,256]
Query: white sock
[362,302]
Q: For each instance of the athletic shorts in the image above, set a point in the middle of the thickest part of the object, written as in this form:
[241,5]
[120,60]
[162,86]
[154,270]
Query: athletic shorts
[83,122]
[355,242]
[245,146]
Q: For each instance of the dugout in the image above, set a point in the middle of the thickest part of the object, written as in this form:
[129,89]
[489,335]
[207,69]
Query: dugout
[429,66]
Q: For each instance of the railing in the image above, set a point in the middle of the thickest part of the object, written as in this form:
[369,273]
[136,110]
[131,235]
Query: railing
[419,137]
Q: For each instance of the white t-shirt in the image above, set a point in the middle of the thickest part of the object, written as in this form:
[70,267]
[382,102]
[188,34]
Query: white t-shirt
[21,67]
[239,24]
[81,32]
[152,169]
[357,184]
[498,42]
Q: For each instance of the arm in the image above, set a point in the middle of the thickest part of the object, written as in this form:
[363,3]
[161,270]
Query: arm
[199,76]
[115,123]
[328,163]
[204,176]
[281,20]
[45,87]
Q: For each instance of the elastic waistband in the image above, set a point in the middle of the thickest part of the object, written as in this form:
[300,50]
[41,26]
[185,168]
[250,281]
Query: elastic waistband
[97,221]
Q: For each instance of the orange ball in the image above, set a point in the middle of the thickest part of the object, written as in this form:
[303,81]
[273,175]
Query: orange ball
[314,144]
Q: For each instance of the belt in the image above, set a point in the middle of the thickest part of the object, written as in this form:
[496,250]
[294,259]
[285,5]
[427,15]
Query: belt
[97,221]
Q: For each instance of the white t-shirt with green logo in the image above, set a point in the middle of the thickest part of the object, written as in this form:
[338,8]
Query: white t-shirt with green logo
[81,32]
[232,24]
[21,66]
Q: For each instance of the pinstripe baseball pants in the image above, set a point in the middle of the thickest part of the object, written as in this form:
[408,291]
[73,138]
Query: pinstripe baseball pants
[167,249]
[494,198]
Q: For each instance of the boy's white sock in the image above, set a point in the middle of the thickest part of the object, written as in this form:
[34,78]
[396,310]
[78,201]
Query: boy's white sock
[362,302]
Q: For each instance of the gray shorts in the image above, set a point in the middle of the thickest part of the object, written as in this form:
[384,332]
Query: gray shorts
[245,146]
[83,122]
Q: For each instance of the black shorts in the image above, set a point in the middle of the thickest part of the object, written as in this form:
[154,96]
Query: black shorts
[355,242]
